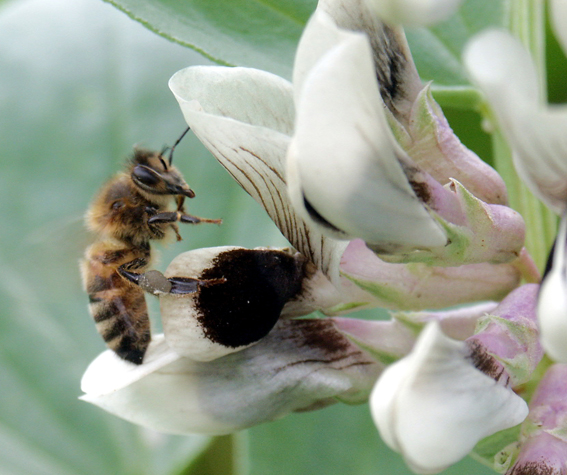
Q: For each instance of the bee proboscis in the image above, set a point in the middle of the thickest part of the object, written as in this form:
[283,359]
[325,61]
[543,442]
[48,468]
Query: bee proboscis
[132,209]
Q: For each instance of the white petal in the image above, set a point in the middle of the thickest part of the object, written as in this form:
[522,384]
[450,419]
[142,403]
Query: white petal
[437,406]
[320,35]
[504,71]
[415,12]
[229,316]
[559,21]
[249,137]
[109,373]
[552,302]
[394,67]
[247,95]
[186,334]
[163,397]
[344,161]
[301,365]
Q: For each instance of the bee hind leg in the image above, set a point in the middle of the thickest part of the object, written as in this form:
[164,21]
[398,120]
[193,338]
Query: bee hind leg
[156,283]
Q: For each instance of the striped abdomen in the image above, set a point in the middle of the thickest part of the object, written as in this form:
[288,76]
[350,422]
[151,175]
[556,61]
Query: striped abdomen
[117,306]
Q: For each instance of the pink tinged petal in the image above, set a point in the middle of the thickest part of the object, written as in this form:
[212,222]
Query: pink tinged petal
[244,117]
[548,407]
[459,323]
[415,12]
[386,341]
[541,455]
[344,164]
[393,63]
[552,302]
[433,406]
[505,73]
[434,147]
[477,232]
[301,365]
[418,286]
[559,21]
[507,339]
[543,447]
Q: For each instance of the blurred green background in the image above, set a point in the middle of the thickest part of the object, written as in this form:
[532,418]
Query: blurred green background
[80,84]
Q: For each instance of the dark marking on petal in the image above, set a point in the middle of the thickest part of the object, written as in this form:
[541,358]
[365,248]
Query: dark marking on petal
[533,468]
[247,306]
[390,68]
[421,190]
[315,216]
[321,334]
[549,263]
[269,167]
[486,363]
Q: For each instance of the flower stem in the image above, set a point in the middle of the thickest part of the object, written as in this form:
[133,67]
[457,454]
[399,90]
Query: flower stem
[526,21]
[541,223]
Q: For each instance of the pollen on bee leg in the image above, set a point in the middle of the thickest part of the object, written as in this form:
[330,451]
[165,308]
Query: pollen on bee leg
[154,282]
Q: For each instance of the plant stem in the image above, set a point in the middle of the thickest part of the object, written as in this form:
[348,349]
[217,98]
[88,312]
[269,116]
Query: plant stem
[526,21]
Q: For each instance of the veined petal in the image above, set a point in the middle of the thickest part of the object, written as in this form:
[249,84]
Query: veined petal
[559,21]
[434,406]
[301,365]
[552,301]
[415,12]
[393,63]
[249,137]
[504,71]
[344,164]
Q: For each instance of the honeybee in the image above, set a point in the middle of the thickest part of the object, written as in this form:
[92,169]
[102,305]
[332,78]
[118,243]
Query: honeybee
[130,210]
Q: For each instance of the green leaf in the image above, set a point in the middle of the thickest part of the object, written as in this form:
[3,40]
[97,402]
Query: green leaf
[255,33]
[264,34]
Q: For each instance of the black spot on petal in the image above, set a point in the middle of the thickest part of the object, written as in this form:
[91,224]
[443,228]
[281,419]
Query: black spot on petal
[258,284]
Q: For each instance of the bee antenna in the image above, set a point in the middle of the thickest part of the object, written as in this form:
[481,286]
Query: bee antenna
[177,143]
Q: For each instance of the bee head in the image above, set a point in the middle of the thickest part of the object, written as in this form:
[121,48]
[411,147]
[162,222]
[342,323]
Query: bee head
[152,174]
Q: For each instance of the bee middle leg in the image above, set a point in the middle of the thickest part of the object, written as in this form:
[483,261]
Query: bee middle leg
[156,283]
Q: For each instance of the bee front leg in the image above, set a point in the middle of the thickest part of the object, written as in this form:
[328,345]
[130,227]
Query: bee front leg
[174,216]
[156,283]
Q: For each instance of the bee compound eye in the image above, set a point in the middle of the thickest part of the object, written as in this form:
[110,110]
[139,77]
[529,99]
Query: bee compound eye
[144,176]
[118,204]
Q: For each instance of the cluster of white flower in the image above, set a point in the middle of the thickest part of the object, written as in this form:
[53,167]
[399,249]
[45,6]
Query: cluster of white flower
[356,164]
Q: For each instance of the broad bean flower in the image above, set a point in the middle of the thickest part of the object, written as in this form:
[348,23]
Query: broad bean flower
[383,206]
